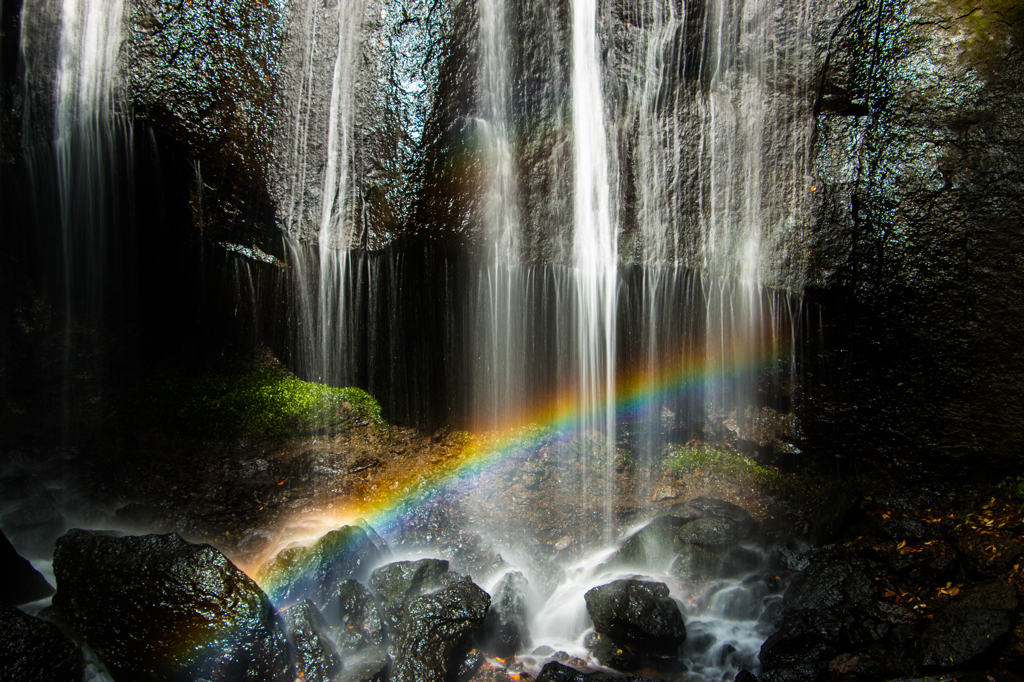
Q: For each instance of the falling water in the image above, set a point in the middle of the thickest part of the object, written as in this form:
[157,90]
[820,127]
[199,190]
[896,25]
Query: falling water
[317,188]
[722,156]
[595,253]
[498,372]
[79,161]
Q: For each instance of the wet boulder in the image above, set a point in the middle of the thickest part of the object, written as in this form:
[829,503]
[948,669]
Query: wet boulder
[712,507]
[826,610]
[398,583]
[714,534]
[504,630]
[986,556]
[637,613]
[155,607]
[357,616]
[315,572]
[971,626]
[695,564]
[652,545]
[315,657]
[33,649]
[20,583]
[431,639]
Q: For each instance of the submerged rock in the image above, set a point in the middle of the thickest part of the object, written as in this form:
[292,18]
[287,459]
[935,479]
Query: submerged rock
[32,649]
[637,613]
[155,607]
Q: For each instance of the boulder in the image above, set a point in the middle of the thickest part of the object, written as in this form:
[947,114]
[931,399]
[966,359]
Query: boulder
[20,583]
[435,628]
[357,616]
[826,610]
[398,583]
[714,534]
[712,507]
[554,671]
[315,572]
[504,631]
[981,562]
[651,546]
[695,564]
[32,649]
[155,607]
[315,657]
[639,614]
[971,626]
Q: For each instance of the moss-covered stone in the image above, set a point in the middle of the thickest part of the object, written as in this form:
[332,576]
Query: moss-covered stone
[260,403]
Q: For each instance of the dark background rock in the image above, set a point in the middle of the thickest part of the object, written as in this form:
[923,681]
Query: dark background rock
[917,263]
[979,622]
[20,582]
[32,649]
[155,607]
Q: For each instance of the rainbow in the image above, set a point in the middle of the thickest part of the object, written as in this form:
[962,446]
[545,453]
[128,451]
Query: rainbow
[636,395]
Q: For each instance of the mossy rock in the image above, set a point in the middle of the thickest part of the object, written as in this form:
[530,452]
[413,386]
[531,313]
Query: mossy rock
[258,403]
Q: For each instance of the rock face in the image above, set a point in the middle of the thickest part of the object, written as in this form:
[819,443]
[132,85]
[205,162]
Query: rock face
[639,614]
[919,155]
[32,649]
[156,607]
[431,614]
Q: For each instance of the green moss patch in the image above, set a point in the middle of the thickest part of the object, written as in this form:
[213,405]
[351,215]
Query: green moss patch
[259,403]
[710,461]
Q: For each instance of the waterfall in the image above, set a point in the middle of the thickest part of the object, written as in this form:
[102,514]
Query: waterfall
[723,119]
[317,190]
[595,253]
[78,158]
[498,373]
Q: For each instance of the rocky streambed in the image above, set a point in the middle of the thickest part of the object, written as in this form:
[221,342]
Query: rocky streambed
[865,587]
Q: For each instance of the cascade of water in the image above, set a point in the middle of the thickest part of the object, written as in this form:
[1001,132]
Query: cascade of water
[499,377]
[84,139]
[78,156]
[331,43]
[722,158]
[595,251]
